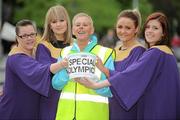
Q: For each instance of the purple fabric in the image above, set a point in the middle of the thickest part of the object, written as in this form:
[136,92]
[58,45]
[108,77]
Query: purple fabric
[151,84]
[25,81]
[116,111]
[48,105]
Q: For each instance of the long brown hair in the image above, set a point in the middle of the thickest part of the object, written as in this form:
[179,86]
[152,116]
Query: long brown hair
[161,17]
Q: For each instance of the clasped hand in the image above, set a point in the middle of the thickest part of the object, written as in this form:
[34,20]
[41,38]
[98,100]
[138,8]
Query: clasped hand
[86,82]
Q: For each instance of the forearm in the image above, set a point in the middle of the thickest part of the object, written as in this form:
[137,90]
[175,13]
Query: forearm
[60,79]
[105,71]
[56,67]
[102,84]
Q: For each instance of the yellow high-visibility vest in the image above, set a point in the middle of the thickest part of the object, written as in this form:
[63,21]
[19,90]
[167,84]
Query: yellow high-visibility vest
[79,101]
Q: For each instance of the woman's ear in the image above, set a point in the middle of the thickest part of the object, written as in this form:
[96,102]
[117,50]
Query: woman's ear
[162,35]
[136,31]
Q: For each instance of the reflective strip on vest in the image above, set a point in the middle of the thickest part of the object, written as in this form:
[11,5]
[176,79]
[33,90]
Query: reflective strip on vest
[84,97]
[101,52]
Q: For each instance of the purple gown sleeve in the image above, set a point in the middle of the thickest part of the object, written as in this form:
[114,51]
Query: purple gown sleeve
[112,72]
[134,55]
[43,55]
[35,75]
[130,84]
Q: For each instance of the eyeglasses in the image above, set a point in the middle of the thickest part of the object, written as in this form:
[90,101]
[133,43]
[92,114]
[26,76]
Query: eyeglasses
[32,35]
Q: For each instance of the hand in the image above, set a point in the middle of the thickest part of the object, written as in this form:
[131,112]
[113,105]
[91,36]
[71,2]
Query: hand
[87,83]
[101,67]
[64,63]
[99,63]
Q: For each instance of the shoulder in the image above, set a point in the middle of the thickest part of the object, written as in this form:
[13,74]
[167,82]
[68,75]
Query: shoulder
[162,48]
[18,59]
[13,51]
[42,47]
[104,48]
[16,52]
[45,43]
[159,51]
[108,52]
[138,46]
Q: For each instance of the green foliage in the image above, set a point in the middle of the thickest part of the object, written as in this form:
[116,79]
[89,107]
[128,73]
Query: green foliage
[103,12]
[145,9]
[176,20]
[33,9]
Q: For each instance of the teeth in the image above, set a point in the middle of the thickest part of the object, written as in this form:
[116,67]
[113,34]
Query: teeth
[81,32]
[148,35]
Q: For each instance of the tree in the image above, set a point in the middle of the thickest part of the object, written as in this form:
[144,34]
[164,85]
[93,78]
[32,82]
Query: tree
[144,7]
[33,9]
[103,12]
[171,8]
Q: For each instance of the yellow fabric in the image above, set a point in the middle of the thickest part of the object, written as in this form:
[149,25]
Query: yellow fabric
[122,54]
[16,50]
[54,51]
[85,110]
[13,51]
[80,89]
[82,106]
[109,51]
[163,48]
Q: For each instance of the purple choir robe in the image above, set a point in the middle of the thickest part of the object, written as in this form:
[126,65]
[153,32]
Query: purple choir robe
[25,81]
[116,111]
[47,53]
[151,85]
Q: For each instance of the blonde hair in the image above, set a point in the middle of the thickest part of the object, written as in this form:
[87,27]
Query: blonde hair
[82,15]
[56,12]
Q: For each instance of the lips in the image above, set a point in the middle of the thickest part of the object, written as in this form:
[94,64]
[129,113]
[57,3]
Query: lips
[30,42]
[149,35]
[81,32]
[123,36]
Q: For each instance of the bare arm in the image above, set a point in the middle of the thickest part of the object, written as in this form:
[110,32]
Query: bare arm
[92,84]
[55,67]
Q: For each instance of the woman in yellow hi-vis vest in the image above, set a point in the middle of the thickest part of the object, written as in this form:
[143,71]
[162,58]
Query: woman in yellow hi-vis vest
[77,102]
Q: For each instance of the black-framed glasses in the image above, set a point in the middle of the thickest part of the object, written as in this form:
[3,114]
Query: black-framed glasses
[32,35]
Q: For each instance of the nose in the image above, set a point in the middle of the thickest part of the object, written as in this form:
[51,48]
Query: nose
[81,26]
[58,23]
[149,30]
[123,30]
